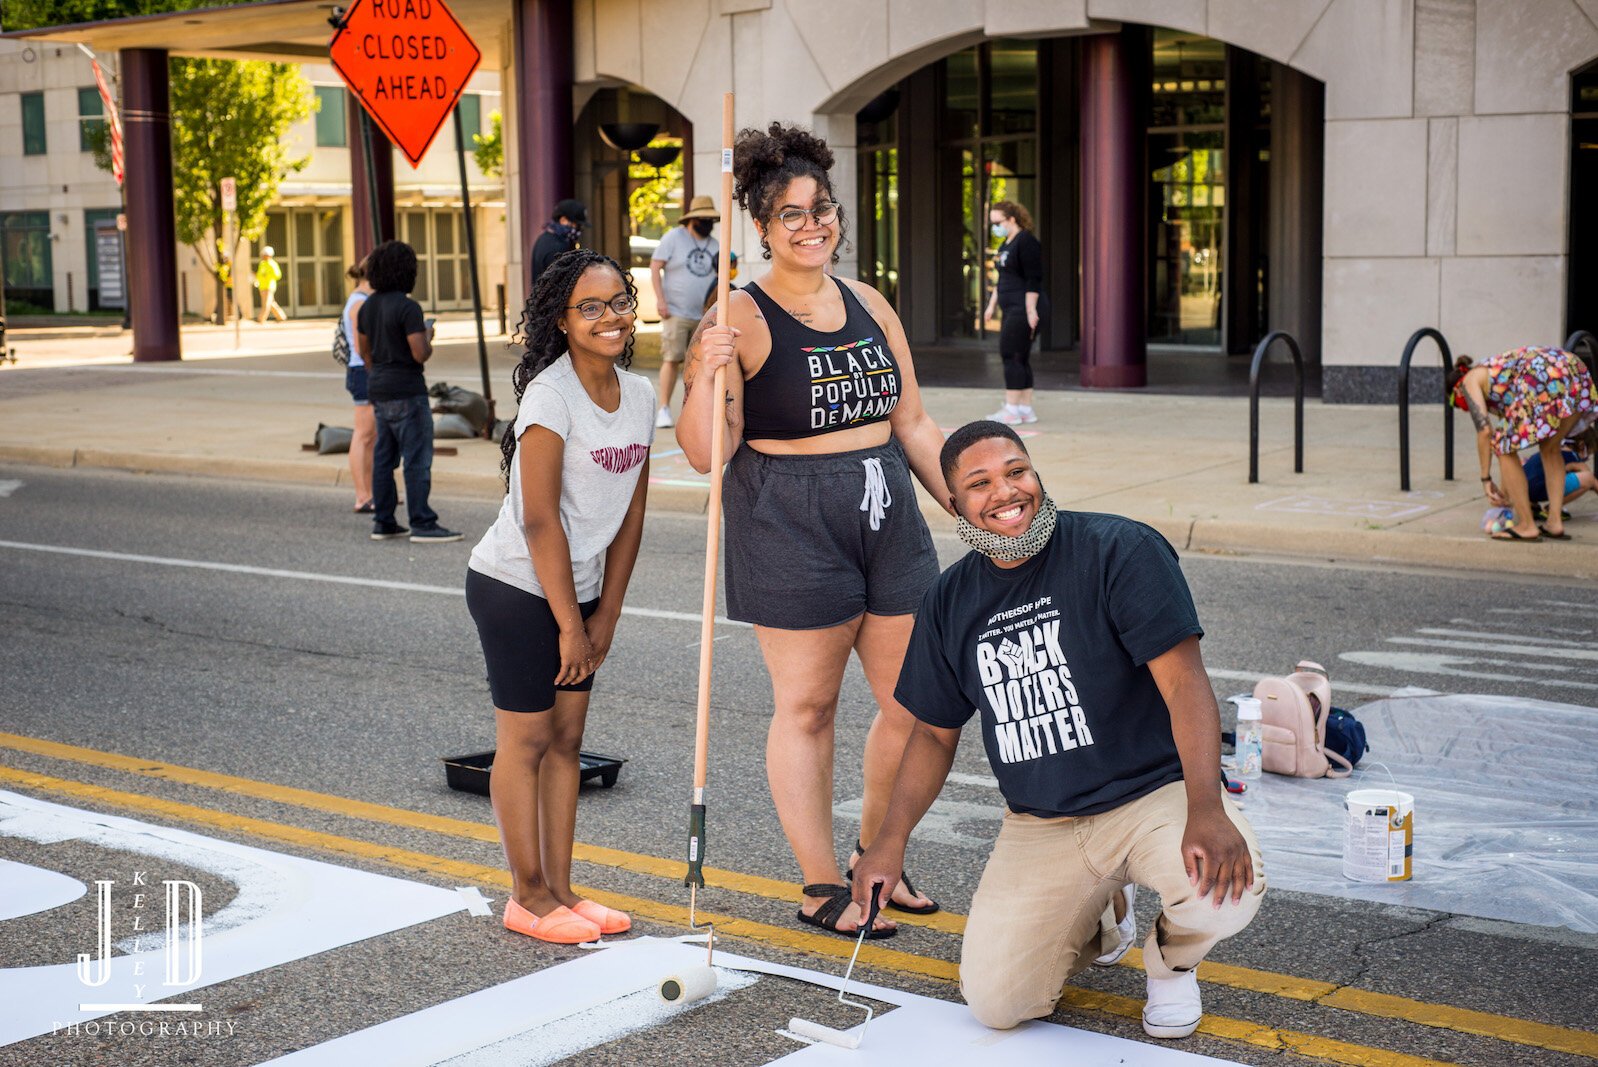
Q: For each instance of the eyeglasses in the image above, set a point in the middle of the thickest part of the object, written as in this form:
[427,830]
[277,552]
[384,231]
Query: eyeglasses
[825,214]
[593,309]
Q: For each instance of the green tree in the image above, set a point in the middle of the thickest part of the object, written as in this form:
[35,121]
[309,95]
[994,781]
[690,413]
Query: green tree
[658,188]
[32,14]
[490,150]
[228,120]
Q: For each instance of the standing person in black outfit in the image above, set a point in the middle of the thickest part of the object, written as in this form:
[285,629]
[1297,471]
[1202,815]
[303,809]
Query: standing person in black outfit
[560,236]
[827,553]
[1019,295]
[395,341]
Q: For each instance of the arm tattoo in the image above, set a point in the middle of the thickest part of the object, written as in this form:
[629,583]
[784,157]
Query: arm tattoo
[1477,415]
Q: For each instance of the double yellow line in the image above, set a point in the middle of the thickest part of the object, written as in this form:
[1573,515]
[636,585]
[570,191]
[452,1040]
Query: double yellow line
[1327,994]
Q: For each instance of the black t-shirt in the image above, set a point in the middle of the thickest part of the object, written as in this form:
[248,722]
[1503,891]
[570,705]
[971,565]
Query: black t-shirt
[1020,263]
[546,248]
[1054,653]
[389,319]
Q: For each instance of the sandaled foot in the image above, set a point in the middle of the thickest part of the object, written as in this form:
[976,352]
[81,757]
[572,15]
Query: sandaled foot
[835,903]
[1551,535]
[609,920]
[1508,534]
[562,926]
[905,896]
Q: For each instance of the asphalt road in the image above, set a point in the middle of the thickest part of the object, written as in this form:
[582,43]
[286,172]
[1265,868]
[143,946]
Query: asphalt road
[112,640]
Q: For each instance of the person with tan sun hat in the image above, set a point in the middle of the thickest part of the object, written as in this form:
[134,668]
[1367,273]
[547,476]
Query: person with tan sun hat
[683,264]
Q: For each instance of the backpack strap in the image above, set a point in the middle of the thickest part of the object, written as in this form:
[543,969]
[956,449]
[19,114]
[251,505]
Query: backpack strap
[1333,757]
[1310,665]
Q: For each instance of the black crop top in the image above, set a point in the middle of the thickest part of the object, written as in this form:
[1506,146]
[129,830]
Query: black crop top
[813,383]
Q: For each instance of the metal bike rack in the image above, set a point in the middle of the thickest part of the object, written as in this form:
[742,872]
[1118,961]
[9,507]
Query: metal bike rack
[1260,351]
[1579,339]
[1403,405]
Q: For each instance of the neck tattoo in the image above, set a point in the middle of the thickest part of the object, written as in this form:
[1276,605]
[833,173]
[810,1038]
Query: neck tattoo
[1010,549]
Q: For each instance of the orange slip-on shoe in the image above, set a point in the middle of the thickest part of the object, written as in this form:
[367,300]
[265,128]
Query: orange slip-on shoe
[609,920]
[561,926]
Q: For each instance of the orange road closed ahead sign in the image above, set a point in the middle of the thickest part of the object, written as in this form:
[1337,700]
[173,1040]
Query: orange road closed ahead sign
[406,61]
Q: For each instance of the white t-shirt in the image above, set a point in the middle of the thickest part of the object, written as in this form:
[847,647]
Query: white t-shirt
[354,303]
[604,453]
[690,268]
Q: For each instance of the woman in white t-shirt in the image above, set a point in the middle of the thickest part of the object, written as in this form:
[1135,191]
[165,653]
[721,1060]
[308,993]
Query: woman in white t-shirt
[545,584]
[365,435]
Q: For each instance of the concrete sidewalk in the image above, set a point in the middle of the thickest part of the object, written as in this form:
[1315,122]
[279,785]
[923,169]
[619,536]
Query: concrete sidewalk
[1179,463]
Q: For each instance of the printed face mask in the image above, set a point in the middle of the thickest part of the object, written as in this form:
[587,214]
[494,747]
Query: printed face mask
[1010,549]
[998,229]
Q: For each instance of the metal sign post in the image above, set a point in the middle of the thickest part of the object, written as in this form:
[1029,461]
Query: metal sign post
[471,265]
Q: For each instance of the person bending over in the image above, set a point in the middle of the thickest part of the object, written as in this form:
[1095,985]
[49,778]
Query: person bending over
[1073,638]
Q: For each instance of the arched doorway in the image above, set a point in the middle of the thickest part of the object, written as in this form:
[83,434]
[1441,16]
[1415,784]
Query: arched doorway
[634,193]
[1228,236]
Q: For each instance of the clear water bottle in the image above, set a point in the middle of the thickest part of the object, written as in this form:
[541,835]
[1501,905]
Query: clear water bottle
[1250,740]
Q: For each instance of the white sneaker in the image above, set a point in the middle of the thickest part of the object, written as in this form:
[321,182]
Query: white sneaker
[1008,415]
[663,418]
[1126,929]
[1027,414]
[1173,1008]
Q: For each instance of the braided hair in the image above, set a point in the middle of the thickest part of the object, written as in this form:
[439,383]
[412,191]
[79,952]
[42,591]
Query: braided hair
[539,332]
[766,161]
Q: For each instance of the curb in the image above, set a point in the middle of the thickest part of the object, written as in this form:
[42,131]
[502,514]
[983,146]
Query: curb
[1197,536]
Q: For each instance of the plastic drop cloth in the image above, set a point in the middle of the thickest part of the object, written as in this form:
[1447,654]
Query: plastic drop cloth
[1506,810]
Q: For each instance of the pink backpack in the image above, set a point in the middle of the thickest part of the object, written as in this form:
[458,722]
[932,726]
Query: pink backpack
[1293,713]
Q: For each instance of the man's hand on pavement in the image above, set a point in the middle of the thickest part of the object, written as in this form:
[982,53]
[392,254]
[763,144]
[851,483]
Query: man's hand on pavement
[1215,855]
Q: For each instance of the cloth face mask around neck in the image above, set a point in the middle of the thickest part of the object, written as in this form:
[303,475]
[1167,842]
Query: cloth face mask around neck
[1010,549]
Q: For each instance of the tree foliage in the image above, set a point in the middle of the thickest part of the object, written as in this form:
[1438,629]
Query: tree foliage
[658,188]
[490,150]
[228,120]
[32,14]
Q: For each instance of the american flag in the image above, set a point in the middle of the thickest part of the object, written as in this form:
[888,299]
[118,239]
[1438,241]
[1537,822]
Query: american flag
[113,121]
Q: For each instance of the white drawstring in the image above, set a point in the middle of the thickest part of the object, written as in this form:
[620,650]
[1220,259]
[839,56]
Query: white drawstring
[877,497]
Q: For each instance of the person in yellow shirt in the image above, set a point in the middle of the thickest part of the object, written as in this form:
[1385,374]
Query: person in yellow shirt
[267,275]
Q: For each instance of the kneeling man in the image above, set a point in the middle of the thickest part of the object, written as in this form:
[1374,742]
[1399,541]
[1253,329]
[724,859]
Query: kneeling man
[1074,638]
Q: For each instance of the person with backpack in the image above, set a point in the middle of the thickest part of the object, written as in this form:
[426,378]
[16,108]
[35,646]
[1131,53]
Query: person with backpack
[1074,639]
[545,585]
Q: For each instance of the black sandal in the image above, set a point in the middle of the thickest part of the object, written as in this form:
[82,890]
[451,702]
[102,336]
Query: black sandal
[904,879]
[839,897]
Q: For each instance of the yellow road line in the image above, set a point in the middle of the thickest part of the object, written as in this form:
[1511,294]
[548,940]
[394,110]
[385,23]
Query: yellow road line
[1368,1002]
[1240,1030]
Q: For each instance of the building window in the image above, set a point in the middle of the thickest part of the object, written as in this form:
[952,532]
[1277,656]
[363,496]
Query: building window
[91,118]
[471,106]
[33,124]
[25,254]
[330,131]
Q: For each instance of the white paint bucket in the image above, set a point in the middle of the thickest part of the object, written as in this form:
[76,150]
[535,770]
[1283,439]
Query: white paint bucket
[1378,835]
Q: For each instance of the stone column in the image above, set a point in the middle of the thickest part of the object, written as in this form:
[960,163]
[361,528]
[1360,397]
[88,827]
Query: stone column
[152,225]
[542,40]
[356,124]
[1114,351]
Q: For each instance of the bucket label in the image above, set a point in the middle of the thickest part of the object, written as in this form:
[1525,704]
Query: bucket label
[1378,836]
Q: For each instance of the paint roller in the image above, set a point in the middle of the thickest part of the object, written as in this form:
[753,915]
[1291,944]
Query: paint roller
[698,982]
[814,1031]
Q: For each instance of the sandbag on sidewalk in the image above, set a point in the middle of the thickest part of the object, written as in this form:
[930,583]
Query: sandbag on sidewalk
[332,439]
[453,400]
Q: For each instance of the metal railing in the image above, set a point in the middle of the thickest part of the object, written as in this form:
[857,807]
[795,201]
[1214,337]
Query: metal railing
[1403,405]
[1260,351]
[1580,339]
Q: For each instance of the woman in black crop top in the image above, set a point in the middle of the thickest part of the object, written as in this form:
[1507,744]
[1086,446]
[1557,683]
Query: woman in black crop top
[826,549]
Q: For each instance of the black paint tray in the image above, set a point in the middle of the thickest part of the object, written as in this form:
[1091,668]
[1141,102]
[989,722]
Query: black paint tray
[469,774]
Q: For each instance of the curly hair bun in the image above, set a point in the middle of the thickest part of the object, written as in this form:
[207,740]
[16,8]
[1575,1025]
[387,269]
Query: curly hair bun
[759,156]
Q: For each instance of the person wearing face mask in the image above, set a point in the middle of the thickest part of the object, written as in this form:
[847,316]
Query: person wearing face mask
[827,553]
[1074,639]
[683,264]
[560,236]
[1018,295]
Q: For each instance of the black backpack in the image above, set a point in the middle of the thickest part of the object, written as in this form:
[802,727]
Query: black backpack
[1345,735]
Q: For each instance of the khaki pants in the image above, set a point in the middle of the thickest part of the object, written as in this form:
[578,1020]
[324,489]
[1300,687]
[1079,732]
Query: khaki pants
[1042,911]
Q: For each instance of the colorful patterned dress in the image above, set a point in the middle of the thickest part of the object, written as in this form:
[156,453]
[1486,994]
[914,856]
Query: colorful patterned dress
[1530,391]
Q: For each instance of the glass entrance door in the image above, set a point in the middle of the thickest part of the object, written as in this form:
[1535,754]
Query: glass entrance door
[439,237]
[308,243]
